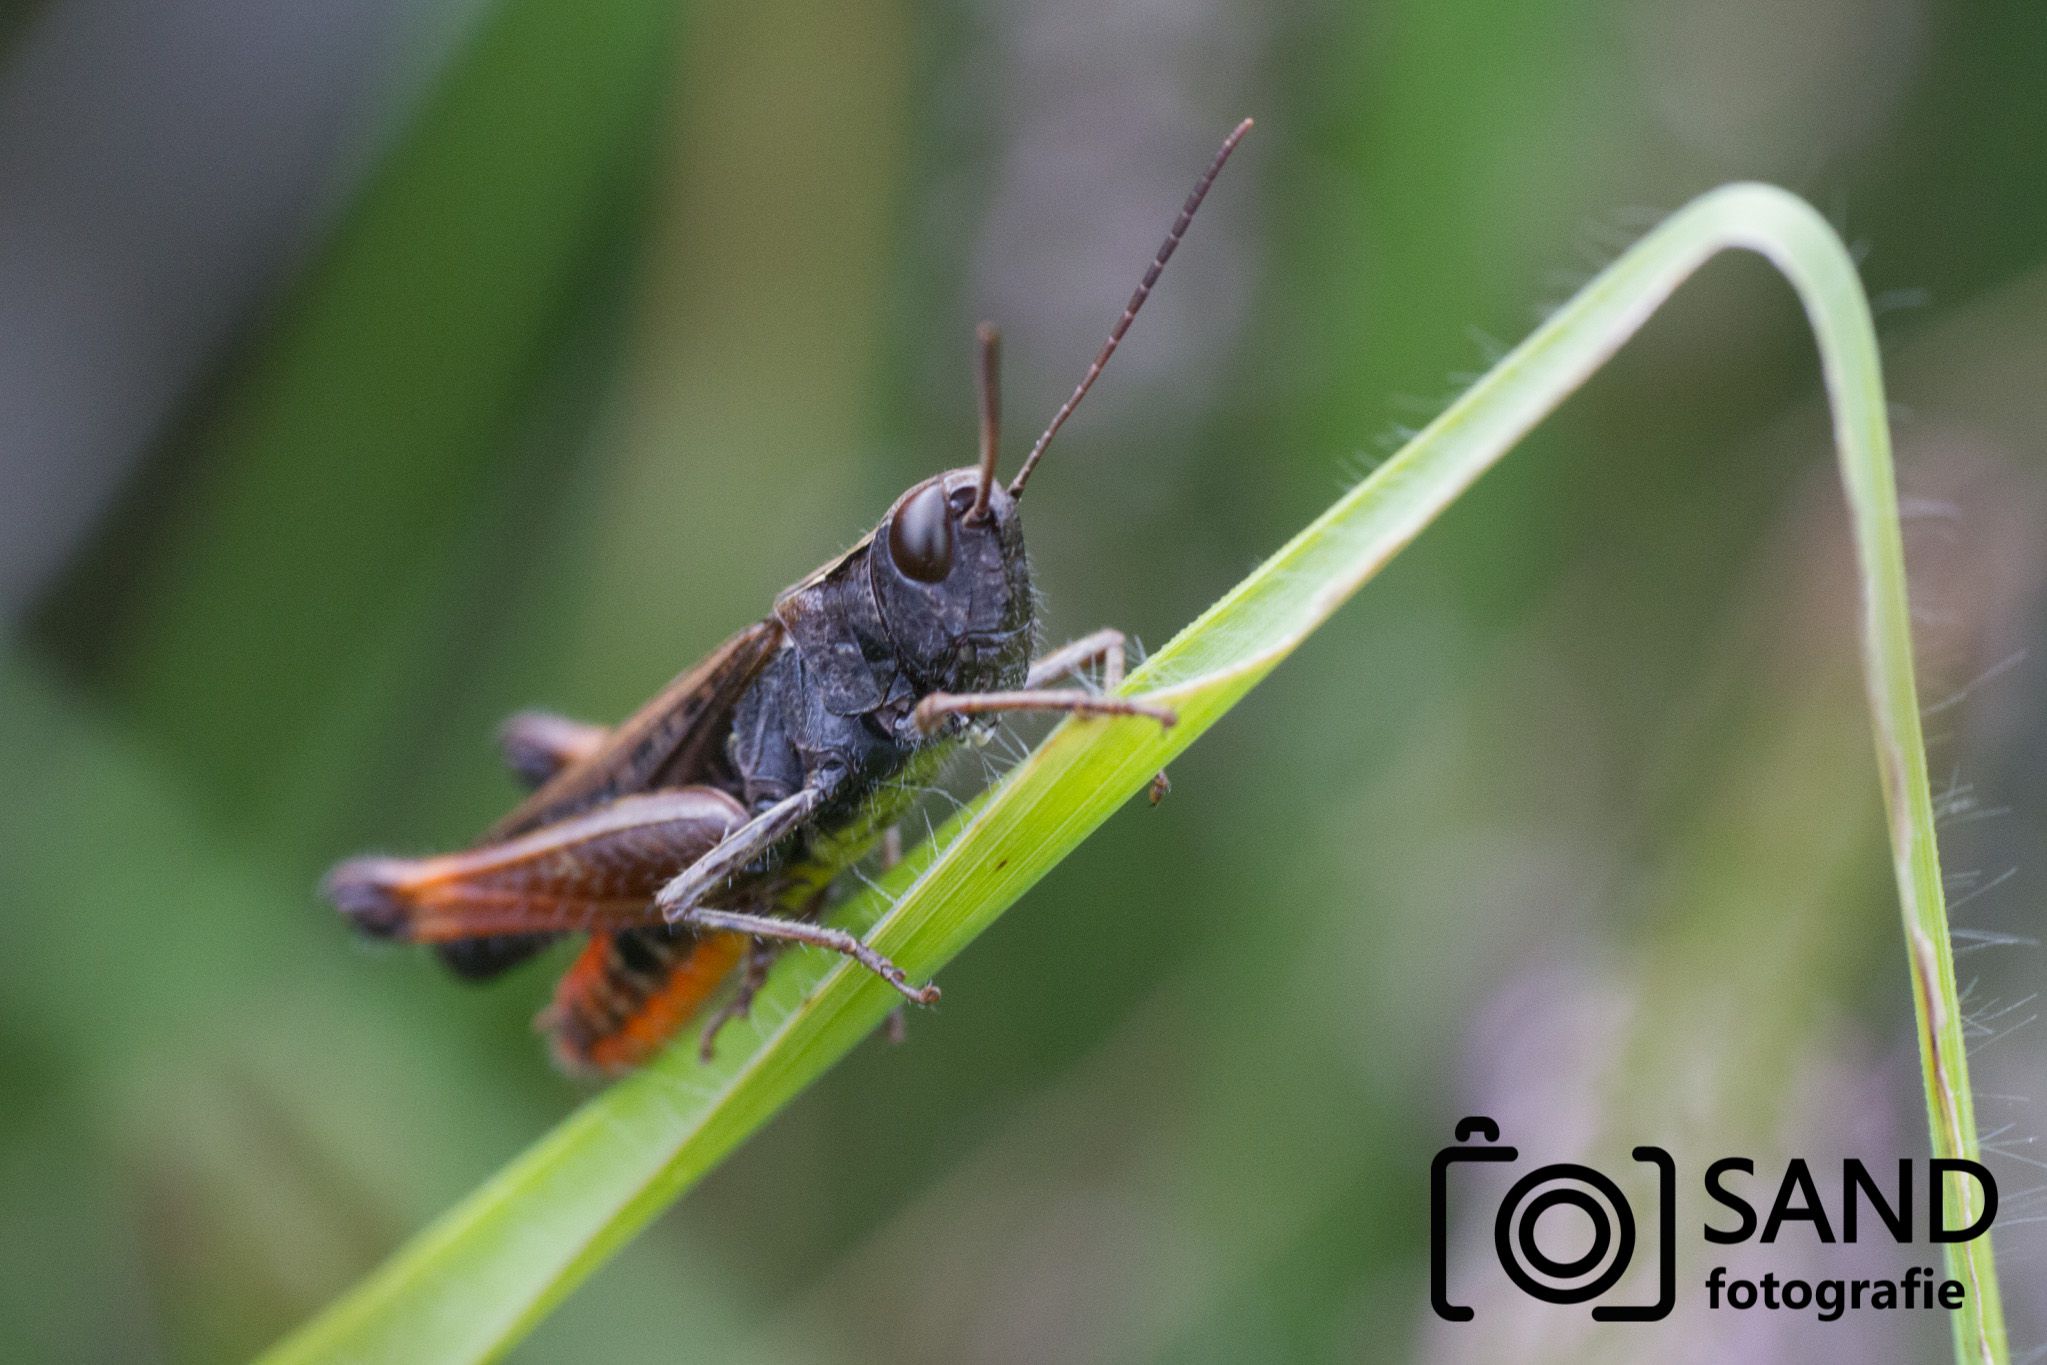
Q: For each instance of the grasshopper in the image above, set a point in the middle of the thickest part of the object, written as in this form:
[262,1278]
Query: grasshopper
[759,775]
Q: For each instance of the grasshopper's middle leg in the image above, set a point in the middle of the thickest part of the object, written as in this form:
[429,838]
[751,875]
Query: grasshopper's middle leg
[681,901]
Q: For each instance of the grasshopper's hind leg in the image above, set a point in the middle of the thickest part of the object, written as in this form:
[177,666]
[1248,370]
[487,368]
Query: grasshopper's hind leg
[536,745]
[594,871]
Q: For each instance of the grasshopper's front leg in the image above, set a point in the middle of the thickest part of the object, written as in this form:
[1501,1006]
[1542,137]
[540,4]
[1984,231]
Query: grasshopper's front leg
[1104,646]
[1108,647]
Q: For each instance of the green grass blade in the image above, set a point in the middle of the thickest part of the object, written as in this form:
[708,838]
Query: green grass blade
[481,1276]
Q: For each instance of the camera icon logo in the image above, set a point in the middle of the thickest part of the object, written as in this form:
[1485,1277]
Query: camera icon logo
[1564,1278]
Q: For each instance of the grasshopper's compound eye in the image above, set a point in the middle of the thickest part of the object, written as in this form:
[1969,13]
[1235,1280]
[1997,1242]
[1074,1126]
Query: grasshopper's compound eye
[920,536]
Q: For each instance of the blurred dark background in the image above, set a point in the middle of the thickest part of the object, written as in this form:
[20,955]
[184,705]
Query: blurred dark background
[369,370]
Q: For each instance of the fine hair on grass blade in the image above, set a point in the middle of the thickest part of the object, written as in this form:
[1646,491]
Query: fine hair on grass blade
[481,1276]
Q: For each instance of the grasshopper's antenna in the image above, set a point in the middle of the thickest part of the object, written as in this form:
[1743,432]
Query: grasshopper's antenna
[991,417]
[1151,277]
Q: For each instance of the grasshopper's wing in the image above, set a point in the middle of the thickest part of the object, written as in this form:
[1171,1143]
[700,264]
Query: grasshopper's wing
[674,740]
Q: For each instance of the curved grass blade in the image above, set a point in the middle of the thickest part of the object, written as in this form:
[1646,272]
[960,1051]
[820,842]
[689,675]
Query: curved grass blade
[478,1279]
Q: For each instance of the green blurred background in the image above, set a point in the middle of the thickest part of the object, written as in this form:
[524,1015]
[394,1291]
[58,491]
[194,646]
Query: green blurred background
[372,369]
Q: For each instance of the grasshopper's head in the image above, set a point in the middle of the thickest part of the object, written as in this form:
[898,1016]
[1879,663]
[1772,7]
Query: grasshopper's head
[954,584]
[948,565]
